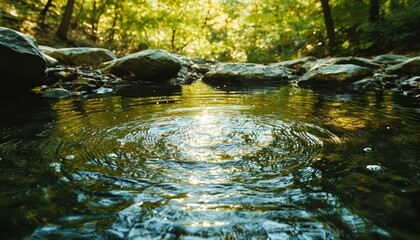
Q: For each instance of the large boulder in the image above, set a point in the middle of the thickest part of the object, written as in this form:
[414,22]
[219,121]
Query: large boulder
[83,56]
[247,74]
[358,61]
[410,66]
[302,65]
[334,75]
[389,59]
[148,65]
[46,49]
[22,65]
[51,62]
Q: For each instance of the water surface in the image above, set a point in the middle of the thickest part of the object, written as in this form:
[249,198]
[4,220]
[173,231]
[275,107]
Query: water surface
[199,162]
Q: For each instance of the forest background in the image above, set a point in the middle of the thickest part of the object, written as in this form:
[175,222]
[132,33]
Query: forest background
[258,31]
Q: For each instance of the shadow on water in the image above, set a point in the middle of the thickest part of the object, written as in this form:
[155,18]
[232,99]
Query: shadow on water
[198,162]
[25,174]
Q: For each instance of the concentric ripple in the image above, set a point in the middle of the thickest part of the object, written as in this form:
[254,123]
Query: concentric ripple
[206,134]
[213,167]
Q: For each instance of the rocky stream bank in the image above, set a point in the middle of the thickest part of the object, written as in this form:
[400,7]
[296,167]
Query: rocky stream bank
[59,73]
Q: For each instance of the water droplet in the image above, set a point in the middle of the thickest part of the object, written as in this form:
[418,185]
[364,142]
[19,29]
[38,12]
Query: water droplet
[374,167]
[368,149]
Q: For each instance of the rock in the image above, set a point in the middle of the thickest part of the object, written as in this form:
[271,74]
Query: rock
[82,56]
[46,49]
[247,74]
[410,66]
[51,62]
[389,59]
[302,65]
[148,65]
[385,77]
[367,84]
[22,64]
[334,75]
[362,62]
[411,83]
[103,90]
[57,93]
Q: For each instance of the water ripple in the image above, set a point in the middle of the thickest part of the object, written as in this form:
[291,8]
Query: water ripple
[211,166]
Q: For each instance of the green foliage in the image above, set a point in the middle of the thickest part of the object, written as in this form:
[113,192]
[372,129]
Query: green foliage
[399,29]
[231,30]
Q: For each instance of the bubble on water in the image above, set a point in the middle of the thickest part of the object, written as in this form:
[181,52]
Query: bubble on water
[374,167]
[367,149]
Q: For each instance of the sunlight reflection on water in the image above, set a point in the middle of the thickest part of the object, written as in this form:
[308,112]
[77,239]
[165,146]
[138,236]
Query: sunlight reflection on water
[211,164]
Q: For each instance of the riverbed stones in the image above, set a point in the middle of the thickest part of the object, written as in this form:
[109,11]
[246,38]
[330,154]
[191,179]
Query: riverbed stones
[83,56]
[389,59]
[247,74]
[148,65]
[22,64]
[411,83]
[359,61]
[302,65]
[46,49]
[410,66]
[411,87]
[366,84]
[334,75]
[51,62]
[57,93]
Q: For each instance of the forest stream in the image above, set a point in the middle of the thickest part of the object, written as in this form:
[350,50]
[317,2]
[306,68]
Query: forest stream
[200,162]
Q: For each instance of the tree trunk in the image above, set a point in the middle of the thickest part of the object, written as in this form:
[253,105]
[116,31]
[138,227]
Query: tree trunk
[173,39]
[373,10]
[45,10]
[65,21]
[329,24]
[80,10]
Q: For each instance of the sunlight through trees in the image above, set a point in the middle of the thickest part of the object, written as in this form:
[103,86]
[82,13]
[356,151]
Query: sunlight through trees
[228,30]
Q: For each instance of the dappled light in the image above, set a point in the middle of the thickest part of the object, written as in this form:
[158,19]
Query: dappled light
[244,31]
[209,119]
[242,163]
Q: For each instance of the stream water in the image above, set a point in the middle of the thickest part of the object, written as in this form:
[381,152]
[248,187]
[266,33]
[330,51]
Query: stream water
[196,162]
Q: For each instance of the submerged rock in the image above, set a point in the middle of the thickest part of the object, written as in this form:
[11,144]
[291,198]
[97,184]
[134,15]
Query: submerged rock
[247,74]
[334,75]
[82,56]
[57,93]
[22,64]
[149,65]
[410,66]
